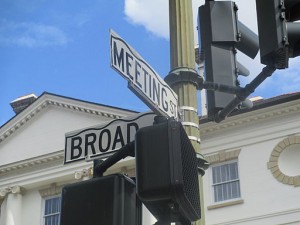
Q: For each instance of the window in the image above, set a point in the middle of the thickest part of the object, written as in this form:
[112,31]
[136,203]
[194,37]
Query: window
[284,161]
[225,182]
[52,210]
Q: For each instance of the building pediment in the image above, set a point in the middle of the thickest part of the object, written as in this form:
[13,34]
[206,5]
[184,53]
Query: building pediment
[39,129]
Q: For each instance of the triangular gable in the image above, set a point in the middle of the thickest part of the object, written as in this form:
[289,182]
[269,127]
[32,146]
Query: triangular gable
[40,128]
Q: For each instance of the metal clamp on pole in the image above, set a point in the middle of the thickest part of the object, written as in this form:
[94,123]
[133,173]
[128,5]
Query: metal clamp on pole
[193,138]
[182,74]
[182,110]
[188,108]
[190,124]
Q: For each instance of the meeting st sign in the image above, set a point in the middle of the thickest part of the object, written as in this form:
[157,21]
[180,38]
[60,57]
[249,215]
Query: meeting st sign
[104,140]
[142,79]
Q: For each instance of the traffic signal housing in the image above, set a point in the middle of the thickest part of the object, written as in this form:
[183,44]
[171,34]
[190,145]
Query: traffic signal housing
[279,35]
[166,172]
[220,34]
[109,200]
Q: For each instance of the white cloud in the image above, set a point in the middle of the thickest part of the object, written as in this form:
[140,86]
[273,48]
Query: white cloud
[153,15]
[30,34]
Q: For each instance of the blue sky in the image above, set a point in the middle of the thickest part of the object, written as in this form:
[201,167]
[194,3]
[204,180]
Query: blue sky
[62,47]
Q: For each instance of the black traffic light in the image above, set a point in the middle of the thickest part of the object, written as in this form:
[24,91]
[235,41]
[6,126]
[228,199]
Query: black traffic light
[220,34]
[279,35]
[109,200]
[166,172]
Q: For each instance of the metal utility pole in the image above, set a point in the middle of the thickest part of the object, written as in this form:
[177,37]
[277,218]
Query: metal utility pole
[183,76]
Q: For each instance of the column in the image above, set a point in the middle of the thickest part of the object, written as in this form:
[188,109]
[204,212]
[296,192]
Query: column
[11,208]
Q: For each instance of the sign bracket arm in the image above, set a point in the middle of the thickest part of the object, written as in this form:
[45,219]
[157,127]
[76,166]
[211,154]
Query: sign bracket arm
[101,166]
[241,96]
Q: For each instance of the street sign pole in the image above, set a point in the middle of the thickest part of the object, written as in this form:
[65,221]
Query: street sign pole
[183,77]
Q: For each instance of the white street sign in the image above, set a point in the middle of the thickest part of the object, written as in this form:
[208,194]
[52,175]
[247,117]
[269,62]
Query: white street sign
[103,140]
[142,79]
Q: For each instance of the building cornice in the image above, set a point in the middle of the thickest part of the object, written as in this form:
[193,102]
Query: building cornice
[33,164]
[250,117]
[56,159]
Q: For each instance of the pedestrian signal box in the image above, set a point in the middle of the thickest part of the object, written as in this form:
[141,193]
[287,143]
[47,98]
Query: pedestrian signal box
[167,172]
[109,200]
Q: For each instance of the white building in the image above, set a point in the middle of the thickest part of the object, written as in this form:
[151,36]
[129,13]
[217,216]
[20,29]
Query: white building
[32,154]
[254,176]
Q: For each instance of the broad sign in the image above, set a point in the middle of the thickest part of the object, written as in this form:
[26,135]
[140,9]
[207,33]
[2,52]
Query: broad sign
[142,79]
[103,140]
